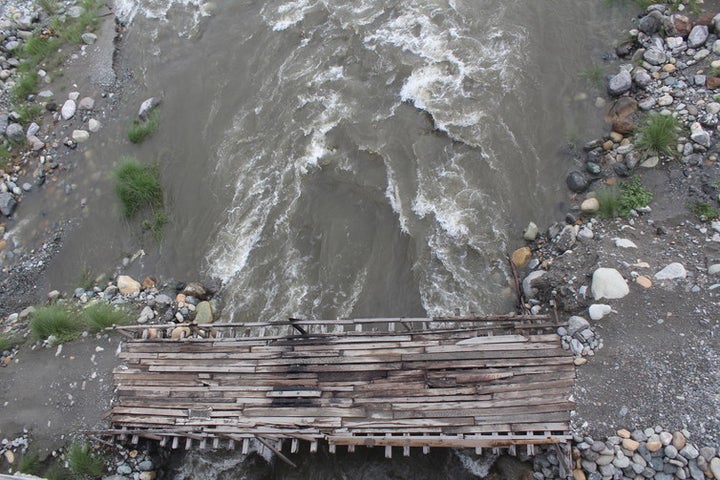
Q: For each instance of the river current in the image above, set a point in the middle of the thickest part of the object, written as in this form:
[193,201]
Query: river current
[354,158]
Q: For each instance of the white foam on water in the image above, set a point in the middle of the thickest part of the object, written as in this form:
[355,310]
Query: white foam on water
[287,14]
[127,10]
[445,58]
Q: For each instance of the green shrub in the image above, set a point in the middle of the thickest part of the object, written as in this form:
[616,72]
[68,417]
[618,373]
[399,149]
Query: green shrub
[704,210]
[83,462]
[8,342]
[139,130]
[137,186]
[658,134]
[634,195]
[55,320]
[29,464]
[100,316]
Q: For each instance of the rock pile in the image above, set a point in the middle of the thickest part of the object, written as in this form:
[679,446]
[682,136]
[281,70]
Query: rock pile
[650,453]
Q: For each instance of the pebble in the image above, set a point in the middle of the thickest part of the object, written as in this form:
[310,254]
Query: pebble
[644,281]
[80,136]
[598,310]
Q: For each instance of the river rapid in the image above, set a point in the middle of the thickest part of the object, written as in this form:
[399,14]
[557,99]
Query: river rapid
[349,158]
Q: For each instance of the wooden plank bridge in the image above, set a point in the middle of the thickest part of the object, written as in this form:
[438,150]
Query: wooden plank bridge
[487,382]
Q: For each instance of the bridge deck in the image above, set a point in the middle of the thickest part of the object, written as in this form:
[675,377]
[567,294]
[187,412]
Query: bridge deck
[455,387]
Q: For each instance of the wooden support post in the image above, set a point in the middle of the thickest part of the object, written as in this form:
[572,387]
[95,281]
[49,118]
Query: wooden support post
[245,446]
[530,446]
[163,441]
[294,445]
[276,451]
[495,450]
[188,443]
[203,443]
[313,446]
[134,439]
[512,451]
[351,448]
[406,448]
[391,326]
[426,449]
[175,442]
[331,447]
[279,444]
[231,444]
[388,448]
[216,443]
[358,327]
[123,436]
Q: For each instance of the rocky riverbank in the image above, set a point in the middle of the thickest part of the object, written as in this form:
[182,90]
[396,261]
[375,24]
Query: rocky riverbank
[640,292]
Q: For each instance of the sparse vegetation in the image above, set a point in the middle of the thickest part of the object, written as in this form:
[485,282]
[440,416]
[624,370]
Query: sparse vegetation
[29,464]
[594,74]
[100,316]
[8,342]
[57,472]
[619,201]
[139,130]
[658,134]
[82,462]
[137,186]
[49,6]
[704,210]
[57,321]
[156,224]
[86,281]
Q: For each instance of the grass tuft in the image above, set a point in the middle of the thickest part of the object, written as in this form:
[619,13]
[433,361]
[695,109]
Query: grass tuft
[55,320]
[139,130]
[25,85]
[8,342]
[30,464]
[609,199]
[49,6]
[83,462]
[704,210]
[57,472]
[101,316]
[658,134]
[137,186]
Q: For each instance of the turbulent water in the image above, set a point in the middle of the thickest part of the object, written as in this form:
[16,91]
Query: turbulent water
[362,158]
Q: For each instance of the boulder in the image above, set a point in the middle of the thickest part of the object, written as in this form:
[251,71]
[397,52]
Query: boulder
[577,324]
[715,467]
[204,313]
[68,109]
[7,203]
[528,289]
[598,310]
[608,283]
[148,106]
[620,83]
[654,56]
[14,132]
[650,23]
[577,182]
[698,36]
[531,232]
[671,272]
[590,205]
[520,257]
[80,136]
[128,285]
[86,103]
[195,289]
